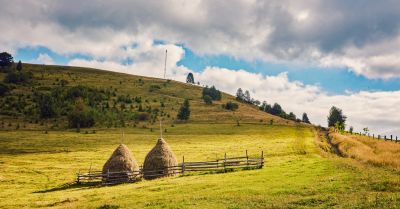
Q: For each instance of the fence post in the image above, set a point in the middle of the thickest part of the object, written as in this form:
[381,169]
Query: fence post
[77,177]
[262,158]
[225,163]
[396,139]
[247,159]
[373,136]
[379,136]
[385,137]
[183,165]
[108,175]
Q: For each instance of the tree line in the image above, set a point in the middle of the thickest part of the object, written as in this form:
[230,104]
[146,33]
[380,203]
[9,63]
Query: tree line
[275,109]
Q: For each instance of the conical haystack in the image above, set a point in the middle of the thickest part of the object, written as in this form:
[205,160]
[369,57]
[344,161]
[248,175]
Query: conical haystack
[159,161]
[119,162]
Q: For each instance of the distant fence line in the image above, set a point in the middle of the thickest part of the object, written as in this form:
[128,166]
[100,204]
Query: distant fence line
[219,165]
[383,137]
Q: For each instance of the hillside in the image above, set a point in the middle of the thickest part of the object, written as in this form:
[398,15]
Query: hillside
[305,166]
[118,100]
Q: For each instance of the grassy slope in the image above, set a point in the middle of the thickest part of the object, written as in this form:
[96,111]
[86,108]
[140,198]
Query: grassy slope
[366,149]
[172,93]
[36,167]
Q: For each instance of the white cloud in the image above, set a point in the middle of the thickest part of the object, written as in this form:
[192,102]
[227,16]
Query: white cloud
[276,31]
[44,59]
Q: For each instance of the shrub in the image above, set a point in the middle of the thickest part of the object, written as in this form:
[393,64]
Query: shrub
[124,99]
[81,119]
[212,92]
[142,116]
[154,88]
[4,88]
[18,77]
[231,106]
[46,106]
[207,99]
[184,111]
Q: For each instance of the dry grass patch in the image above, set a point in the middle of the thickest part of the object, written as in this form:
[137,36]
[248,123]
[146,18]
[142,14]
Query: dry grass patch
[381,153]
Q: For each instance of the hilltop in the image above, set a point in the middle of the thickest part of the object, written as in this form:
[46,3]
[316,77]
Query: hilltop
[114,99]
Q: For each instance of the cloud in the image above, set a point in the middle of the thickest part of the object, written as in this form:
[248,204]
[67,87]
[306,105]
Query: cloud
[44,59]
[360,35]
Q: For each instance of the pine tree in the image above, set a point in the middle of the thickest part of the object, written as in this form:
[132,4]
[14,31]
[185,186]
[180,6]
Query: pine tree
[190,78]
[305,118]
[184,111]
[239,94]
[19,66]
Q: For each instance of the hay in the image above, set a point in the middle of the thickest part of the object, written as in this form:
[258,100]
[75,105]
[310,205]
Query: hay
[121,160]
[158,160]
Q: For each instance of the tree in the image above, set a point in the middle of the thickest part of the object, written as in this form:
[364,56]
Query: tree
[336,116]
[190,78]
[366,130]
[207,99]
[276,109]
[19,66]
[80,117]
[239,94]
[6,59]
[305,118]
[292,116]
[212,92]
[247,96]
[46,106]
[265,107]
[184,111]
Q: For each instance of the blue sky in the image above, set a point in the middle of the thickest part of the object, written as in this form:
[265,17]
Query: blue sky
[331,80]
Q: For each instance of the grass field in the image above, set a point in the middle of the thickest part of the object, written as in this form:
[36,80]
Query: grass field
[36,169]
[372,151]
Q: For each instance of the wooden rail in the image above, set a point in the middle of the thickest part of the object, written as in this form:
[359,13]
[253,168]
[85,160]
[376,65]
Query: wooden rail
[383,137]
[219,165]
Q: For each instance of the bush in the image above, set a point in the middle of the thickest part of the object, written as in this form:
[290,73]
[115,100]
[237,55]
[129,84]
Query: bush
[124,99]
[231,106]
[18,77]
[154,88]
[184,111]
[142,116]
[207,99]
[212,92]
[81,119]
[4,88]
[46,106]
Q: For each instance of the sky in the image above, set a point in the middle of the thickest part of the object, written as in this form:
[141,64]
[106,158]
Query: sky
[306,55]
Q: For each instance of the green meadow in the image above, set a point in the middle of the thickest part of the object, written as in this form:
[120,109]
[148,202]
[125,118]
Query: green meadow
[38,170]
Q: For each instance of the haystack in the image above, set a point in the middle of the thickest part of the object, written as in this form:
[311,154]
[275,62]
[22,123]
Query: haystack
[159,160]
[120,165]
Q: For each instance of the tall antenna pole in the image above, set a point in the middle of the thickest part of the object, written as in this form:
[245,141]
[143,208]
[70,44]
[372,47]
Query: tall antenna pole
[160,130]
[165,63]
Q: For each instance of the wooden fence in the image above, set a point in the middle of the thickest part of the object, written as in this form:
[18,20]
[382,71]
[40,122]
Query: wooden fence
[379,137]
[219,165]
